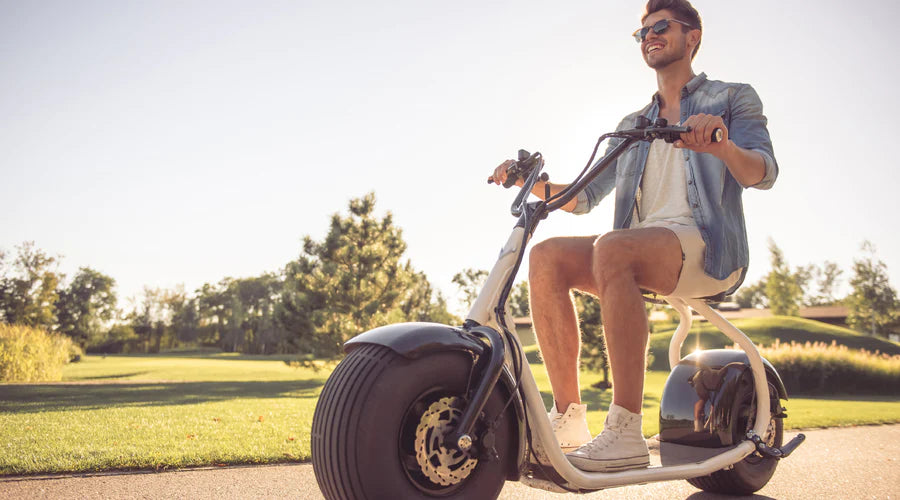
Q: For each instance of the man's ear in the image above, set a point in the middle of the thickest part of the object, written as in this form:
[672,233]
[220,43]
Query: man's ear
[694,37]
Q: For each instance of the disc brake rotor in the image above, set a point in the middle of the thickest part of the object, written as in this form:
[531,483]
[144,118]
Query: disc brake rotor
[441,465]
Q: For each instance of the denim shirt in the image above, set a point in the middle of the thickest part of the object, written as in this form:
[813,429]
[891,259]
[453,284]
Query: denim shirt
[713,193]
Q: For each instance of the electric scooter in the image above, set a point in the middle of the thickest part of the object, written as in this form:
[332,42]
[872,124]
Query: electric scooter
[422,410]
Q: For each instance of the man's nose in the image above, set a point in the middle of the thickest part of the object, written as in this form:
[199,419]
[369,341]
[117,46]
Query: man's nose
[651,34]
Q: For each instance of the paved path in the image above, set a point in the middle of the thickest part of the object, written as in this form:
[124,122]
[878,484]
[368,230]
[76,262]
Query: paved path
[853,463]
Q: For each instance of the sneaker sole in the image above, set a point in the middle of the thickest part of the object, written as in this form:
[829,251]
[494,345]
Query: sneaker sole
[565,449]
[610,465]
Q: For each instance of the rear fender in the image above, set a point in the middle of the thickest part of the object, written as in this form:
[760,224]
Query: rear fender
[414,340]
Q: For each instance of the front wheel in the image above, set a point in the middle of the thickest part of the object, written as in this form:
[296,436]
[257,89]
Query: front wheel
[379,425]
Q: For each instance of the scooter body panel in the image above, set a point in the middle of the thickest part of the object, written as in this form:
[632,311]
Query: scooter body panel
[699,399]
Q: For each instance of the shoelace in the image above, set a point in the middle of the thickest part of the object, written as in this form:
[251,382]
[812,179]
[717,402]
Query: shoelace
[609,435]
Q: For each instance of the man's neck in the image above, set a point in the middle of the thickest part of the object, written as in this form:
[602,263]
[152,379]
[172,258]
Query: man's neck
[671,80]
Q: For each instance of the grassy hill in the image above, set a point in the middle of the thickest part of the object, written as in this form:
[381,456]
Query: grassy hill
[765,331]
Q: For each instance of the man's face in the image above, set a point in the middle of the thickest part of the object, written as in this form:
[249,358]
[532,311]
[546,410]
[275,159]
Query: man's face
[661,50]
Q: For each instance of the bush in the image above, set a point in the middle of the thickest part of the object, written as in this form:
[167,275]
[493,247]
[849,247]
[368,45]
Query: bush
[820,368]
[120,339]
[30,354]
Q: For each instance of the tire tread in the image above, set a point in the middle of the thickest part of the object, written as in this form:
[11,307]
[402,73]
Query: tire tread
[348,386]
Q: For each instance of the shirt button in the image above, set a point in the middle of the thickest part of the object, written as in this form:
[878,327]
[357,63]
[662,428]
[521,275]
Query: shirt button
[691,182]
[695,205]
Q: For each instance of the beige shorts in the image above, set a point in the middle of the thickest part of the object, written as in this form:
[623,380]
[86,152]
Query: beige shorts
[693,281]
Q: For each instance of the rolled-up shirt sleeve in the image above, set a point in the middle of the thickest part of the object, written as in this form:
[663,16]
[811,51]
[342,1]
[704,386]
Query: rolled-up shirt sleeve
[748,130]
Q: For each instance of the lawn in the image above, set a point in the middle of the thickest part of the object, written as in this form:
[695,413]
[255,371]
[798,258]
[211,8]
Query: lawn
[167,411]
[156,412]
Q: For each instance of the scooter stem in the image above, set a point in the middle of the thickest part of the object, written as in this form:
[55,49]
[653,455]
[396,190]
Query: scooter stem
[482,310]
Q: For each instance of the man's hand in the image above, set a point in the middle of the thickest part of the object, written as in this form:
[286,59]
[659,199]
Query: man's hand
[500,174]
[699,139]
[748,167]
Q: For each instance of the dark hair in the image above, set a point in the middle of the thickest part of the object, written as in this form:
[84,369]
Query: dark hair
[682,10]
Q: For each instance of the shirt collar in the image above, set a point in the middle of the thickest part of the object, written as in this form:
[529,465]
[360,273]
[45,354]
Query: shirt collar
[692,85]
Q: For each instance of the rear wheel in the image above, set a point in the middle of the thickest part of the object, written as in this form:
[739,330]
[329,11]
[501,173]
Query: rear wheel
[379,426]
[754,471]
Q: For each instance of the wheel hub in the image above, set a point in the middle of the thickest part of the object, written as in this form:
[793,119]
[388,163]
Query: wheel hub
[440,465]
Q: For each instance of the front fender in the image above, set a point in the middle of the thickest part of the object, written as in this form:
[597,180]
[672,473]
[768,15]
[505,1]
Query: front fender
[414,340]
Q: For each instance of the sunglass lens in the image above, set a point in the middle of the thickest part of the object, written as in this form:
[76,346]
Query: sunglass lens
[659,28]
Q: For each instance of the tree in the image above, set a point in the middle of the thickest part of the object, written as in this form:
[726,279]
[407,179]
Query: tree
[751,296]
[783,290]
[469,281]
[424,303]
[29,295]
[518,300]
[827,278]
[86,307]
[150,318]
[185,316]
[352,281]
[593,342]
[873,302]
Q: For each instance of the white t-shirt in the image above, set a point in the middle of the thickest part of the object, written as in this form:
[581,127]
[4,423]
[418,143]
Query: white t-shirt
[662,195]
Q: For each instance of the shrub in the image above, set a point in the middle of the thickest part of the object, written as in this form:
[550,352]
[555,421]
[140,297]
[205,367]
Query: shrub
[30,354]
[121,339]
[820,368]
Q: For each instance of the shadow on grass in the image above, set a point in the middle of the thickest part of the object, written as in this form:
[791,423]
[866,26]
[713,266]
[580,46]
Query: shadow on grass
[35,398]
[113,376]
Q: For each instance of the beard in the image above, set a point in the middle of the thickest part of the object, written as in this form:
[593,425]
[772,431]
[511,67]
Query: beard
[676,53]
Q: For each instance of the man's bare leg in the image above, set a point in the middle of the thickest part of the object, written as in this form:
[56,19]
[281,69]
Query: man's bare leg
[624,263]
[556,266]
[620,264]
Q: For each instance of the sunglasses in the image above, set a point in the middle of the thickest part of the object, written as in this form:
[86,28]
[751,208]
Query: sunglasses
[659,28]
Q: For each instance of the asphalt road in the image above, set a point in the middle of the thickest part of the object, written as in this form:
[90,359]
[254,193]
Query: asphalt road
[852,463]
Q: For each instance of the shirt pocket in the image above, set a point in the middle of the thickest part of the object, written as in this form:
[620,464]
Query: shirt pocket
[628,164]
[716,106]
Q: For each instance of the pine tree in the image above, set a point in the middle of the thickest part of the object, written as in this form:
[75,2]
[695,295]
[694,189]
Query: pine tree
[354,280]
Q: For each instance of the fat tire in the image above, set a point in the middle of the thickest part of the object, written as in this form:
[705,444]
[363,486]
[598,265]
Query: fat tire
[357,425]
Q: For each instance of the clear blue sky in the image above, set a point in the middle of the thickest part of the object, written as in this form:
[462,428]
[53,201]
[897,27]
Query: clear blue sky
[182,142]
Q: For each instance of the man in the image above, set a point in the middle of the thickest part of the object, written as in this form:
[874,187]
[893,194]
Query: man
[679,230]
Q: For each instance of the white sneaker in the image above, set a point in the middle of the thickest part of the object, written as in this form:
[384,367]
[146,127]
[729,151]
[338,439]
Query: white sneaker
[620,446]
[570,429]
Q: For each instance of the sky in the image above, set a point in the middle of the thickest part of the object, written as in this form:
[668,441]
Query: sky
[178,143]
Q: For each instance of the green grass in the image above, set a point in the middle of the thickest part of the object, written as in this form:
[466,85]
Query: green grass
[117,415]
[167,411]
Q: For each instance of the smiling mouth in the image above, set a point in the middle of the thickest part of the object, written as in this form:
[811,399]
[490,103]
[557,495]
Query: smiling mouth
[653,48]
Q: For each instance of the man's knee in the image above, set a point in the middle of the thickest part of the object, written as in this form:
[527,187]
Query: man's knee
[558,262]
[612,261]
[543,261]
